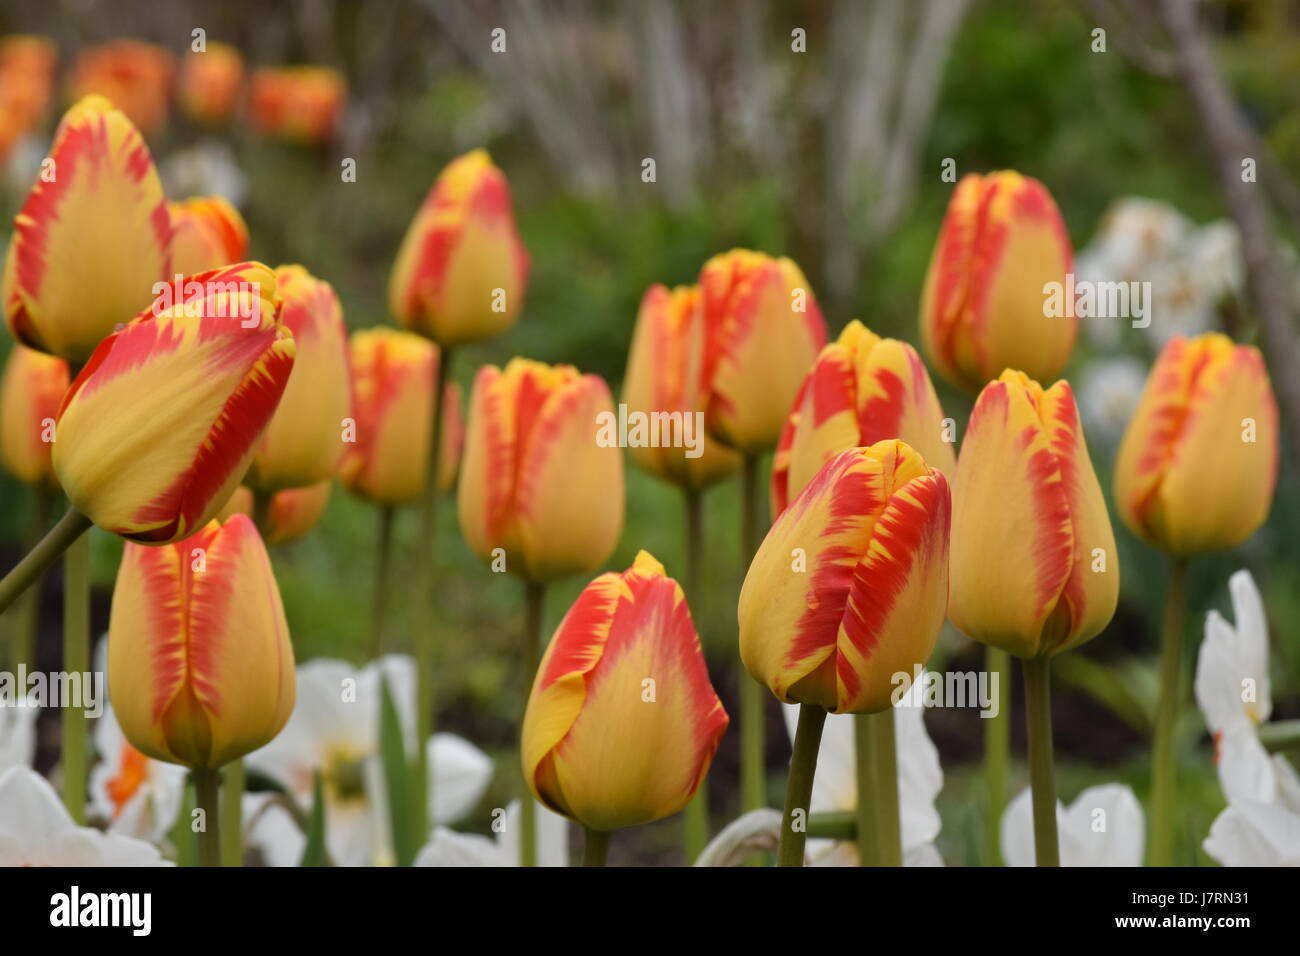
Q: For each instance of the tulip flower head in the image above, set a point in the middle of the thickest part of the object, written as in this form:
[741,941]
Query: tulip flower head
[1034,569]
[30,392]
[136,76]
[27,72]
[200,667]
[461,271]
[301,104]
[293,512]
[207,233]
[210,83]
[850,586]
[862,389]
[1197,467]
[537,489]
[622,723]
[985,303]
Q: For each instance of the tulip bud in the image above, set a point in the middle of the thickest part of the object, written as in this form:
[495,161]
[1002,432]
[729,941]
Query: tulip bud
[1034,568]
[763,331]
[392,385]
[27,71]
[622,722]
[1197,467]
[207,233]
[985,303]
[461,271]
[136,76]
[663,378]
[30,392]
[200,666]
[537,489]
[157,431]
[861,390]
[850,586]
[302,104]
[210,83]
[292,513]
[89,244]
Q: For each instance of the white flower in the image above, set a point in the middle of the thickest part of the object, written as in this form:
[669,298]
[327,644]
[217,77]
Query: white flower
[449,848]
[271,830]
[1190,283]
[1232,685]
[1109,389]
[36,830]
[17,734]
[138,796]
[1103,827]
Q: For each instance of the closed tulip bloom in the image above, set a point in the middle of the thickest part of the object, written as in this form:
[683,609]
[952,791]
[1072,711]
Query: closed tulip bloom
[27,72]
[663,378]
[303,443]
[985,305]
[207,233]
[157,431]
[535,482]
[1034,568]
[88,246]
[595,747]
[292,513]
[137,76]
[1197,467]
[210,83]
[862,389]
[30,392]
[392,382]
[302,104]
[200,667]
[763,331]
[461,271]
[850,586]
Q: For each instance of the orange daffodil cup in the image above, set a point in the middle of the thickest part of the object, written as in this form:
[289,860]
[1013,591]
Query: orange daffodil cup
[848,591]
[1034,568]
[1195,473]
[622,722]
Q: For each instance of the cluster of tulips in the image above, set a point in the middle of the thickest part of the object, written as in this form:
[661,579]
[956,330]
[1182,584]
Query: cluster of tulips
[200,426]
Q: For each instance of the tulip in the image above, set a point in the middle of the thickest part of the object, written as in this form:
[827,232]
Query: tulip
[207,233]
[303,443]
[30,392]
[291,513]
[88,245]
[27,68]
[622,722]
[210,83]
[461,271]
[303,104]
[136,76]
[987,299]
[861,390]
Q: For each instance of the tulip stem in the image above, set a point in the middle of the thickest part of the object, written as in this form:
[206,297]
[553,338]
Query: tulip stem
[71,526]
[232,814]
[696,818]
[595,848]
[534,598]
[751,692]
[997,753]
[207,788]
[23,642]
[1038,717]
[798,787]
[262,513]
[865,814]
[884,752]
[383,558]
[1163,767]
[76,660]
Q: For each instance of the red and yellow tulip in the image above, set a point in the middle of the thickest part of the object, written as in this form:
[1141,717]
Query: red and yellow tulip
[292,513]
[91,242]
[200,667]
[392,385]
[211,83]
[1198,465]
[303,104]
[984,305]
[136,76]
[850,586]
[462,269]
[763,329]
[27,66]
[535,482]
[30,392]
[158,430]
[207,233]
[623,722]
[1034,568]
[862,389]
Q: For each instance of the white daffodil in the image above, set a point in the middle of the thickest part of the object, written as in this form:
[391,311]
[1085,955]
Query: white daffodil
[449,848]
[271,831]
[36,830]
[18,735]
[137,795]
[335,729]
[1103,827]
[1109,389]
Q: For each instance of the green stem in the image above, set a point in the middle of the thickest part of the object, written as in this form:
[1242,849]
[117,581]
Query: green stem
[232,814]
[696,822]
[1038,717]
[71,526]
[889,842]
[751,692]
[595,849]
[207,787]
[835,825]
[262,512]
[76,660]
[997,754]
[28,611]
[798,787]
[865,814]
[534,599]
[1163,779]
[383,559]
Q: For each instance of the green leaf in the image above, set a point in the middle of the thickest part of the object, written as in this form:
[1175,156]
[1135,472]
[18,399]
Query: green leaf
[397,780]
[315,853]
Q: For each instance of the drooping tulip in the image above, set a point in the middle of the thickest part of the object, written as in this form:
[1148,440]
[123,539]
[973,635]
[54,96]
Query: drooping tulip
[535,481]
[392,382]
[210,83]
[304,441]
[861,390]
[663,379]
[622,722]
[91,242]
[850,586]
[302,104]
[158,430]
[763,329]
[1034,568]
[207,233]
[1198,464]
[461,271]
[291,514]
[200,666]
[30,392]
[988,302]
[137,76]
